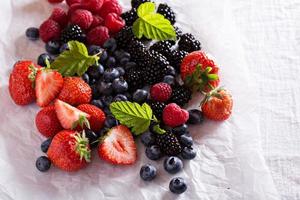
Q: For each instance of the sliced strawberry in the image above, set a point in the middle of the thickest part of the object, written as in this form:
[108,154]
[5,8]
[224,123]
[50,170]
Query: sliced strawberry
[70,116]
[118,146]
[48,84]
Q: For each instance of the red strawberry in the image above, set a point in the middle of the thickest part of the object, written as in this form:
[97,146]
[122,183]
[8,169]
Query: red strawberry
[118,146]
[114,22]
[55,1]
[47,123]
[217,105]
[98,35]
[69,116]
[60,16]
[161,92]
[199,72]
[82,18]
[93,5]
[75,91]
[110,7]
[50,30]
[21,82]
[48,84]
[69,150]
[174,116]
[97,116]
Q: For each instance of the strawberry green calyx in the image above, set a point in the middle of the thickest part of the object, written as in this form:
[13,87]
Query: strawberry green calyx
[200,79]
[82,146]
[32,75]
[82,122]
[213,93]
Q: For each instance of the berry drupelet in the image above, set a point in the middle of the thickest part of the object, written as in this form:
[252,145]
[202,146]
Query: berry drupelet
[168,143]
[188,43]
[167,12]
[130,17]
[72,32]
[181,95]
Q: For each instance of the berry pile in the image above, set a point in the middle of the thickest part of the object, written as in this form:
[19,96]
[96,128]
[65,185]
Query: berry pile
[99,84]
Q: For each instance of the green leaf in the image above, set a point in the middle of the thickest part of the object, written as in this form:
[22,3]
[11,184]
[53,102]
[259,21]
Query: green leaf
[132,115]
[212,77]
[76,61]
[158,130]
[137,29]
[146,8]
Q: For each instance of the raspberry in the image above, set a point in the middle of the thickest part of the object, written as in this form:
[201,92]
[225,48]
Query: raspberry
[161,92]
[174,116]
[93,5]
[110,7]
[55,1]
[60,16]
[49,30]
[114,22]
[75,7]
[82,18]
[97,21]
[71,2]
[98,35]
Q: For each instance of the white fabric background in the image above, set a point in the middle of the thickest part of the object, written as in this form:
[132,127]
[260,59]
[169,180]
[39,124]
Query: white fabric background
[256,44]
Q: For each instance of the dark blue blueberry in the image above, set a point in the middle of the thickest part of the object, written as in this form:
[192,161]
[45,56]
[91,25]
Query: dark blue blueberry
[52,47]
[43,163]
[103,57]
[111,74]
[180,130]
[121,70]
[178,185]
[110,45]
[64,47]
[95,71]
[93,137]
[119,54]
[120,97]
[32,33]
[186,140]
[173,164]
[107,111]
[110,121]
[95,91]
[128,95]
[45,145]
[110,62]
[130,65]
[153,152]
[188,153]
[105,88]
[148,172]
[169,79]
[148,138]
[124,61]
[171,71]
[86,78]
[98,103]
[106,100]
[94,49]
[120,85]
[102,132]
[140,96]
[195,117]
[42,59]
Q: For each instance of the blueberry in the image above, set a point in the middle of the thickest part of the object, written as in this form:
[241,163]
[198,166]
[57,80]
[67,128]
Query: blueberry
[118,54]
[42,59]
[140,96]
[32,33]
[148,138]
[52,47]
[94,49]
[120,85]
[102,132]
[110,74]
[130,65]
[121,71]
[120,97]
[98,103]
[107,111]
[110,62]
[169,79]
[195,117]
[95,91]
[180,130]
[105,88]
[86,78]
[124,61]
[93,137]
[148,172]
[173,164]
[103,57]
[188,153]
[45,145]
[186,140]
[106,100]
[170,71]
[153,152]
[110,121]
[64,47]
[110,45]
[95,71]
[178,185]
[128,95]
[43,163]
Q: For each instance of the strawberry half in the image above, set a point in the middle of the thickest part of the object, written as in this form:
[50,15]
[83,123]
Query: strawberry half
[69,116]
[118,146]
[48,84]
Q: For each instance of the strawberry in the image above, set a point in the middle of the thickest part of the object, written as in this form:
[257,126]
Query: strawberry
[69,150]
[217,105]
[75,91]
[21,82]
[174,116]
[118,146]
[161,92]
[69,116]
[97,116]
[47,123]
[48,84]
[199,72]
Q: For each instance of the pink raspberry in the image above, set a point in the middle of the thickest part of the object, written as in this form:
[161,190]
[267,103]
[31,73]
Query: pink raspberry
[74,7]
[82,18]
[98,35]
[114,22]
[93,5]
[174,116]
[97,21]
[71,2]
[161,92]
[60,16]
[49,30]
[110,7]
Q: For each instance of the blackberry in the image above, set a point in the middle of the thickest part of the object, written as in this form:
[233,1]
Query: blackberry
[163,47]
[137,3]
[181,95]
[137,51]
[130,17]
[168,143]
[72,32]
[157,108]
[176,59]
[124,37]
[134,79]
[188,43]
[167,12]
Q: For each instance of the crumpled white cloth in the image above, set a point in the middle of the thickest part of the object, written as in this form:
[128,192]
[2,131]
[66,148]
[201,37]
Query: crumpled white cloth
[229,164]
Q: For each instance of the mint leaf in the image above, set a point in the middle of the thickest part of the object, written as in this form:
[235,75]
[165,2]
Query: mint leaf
[146,8]
[76,61]
[132,115]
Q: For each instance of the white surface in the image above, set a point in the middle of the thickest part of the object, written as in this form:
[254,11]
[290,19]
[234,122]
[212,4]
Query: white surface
[230,163]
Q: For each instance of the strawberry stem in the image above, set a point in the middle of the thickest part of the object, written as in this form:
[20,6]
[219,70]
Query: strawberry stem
[82,146]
